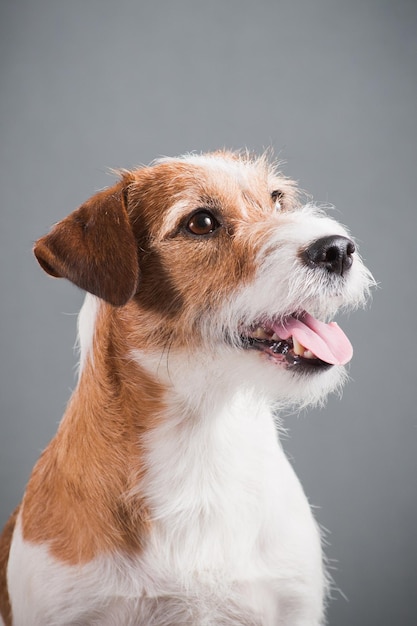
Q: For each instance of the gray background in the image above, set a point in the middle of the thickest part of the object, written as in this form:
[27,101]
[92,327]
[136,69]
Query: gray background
[331,85]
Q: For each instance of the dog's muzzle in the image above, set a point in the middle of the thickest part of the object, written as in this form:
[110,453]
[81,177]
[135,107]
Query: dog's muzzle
[299,340]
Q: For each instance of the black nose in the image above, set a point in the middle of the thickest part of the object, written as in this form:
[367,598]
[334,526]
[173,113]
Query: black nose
[334,253]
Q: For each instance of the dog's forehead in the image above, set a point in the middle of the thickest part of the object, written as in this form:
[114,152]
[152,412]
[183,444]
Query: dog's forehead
[236,185]
[220,172]
[226,180]
[230,167]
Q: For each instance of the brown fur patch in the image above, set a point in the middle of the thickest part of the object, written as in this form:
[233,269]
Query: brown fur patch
[76,499]
[5,542]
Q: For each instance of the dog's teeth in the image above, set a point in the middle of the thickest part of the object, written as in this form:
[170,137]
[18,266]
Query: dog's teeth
[298,348]
[259,333]
[274,337]
[308,354]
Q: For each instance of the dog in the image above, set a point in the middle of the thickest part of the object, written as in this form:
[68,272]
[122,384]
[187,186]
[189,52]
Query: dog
[165,497]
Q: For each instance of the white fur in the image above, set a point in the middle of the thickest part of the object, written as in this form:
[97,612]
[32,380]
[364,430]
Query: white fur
[284,284]
[225,500]
[86,323]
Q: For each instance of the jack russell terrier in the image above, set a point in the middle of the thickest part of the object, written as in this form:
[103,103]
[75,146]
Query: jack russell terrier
[165,498]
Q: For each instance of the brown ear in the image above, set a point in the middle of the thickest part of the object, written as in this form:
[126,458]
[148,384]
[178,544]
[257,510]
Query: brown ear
[94,247]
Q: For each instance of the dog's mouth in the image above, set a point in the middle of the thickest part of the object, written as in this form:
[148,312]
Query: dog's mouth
[301,341]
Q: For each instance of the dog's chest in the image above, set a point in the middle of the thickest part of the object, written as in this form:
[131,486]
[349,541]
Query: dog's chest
[225,501]
[232,535]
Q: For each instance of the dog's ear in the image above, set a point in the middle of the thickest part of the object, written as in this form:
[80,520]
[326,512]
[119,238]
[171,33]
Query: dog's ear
[94,247]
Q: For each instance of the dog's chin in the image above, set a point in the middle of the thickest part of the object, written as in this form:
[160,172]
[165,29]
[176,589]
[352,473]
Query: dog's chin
[283,382]
[297,359]
[296,383]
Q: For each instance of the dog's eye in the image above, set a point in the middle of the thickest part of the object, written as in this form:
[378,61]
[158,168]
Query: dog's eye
[202,223]
[277,197]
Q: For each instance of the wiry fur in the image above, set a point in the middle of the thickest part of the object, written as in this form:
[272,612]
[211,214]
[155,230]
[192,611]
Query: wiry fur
[165,497]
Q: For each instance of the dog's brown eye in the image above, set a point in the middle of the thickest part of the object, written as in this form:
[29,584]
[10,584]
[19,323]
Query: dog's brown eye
[202,223]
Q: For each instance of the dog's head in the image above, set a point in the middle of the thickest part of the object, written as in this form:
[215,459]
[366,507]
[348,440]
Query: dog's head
[214,254]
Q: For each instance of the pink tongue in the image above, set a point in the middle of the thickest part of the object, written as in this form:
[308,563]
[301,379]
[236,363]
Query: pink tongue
[328,342]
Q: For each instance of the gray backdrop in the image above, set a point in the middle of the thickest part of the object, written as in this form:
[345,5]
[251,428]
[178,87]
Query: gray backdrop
[331,85]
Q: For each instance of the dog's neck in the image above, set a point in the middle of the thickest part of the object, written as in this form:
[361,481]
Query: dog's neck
[115,370]
[150,401]
[166,434]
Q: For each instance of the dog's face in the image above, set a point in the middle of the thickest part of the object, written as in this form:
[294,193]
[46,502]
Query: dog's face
[214,255]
